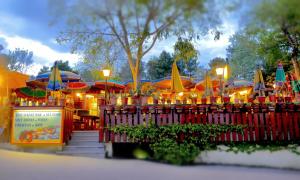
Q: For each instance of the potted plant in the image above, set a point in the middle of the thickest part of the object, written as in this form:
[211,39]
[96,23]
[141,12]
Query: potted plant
[155,97]
[288,99]
[261,98]
[135,96]
[203,99]
[213,99]
[272,98]
[226,99]
[193,97]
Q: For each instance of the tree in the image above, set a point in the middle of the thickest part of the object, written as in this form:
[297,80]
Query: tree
[243,55]
[44,69]
[276,24]
[135,24]
[19,60]
[64,66]
[160,67]
[215,63]
[185,51]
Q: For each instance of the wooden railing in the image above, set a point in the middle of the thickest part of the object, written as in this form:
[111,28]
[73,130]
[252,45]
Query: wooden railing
[277,122]
[68,124]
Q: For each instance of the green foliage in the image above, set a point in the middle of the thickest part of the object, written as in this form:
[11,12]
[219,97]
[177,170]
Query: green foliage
[176,143]
[243,56]
[64,66]
[135,26]
[160,67]
[19,60]
[44,69]
[272,147]
[276,24]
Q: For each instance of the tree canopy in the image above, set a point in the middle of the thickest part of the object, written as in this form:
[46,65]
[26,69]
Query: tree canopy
[19,60]
[135,24]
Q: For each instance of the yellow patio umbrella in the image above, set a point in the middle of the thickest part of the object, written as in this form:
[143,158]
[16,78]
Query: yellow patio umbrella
[176,84]
[55,81]
[208,85]
[259,84]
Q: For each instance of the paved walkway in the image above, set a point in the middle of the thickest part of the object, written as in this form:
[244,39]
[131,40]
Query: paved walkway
[27,166]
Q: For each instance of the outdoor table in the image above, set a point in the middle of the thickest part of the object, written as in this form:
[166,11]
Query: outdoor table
[89,121]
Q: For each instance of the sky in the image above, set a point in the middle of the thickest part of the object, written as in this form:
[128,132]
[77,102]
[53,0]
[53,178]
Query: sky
[24,24]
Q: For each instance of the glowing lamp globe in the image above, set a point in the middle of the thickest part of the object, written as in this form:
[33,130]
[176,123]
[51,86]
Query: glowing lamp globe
[106,72]
[219,71]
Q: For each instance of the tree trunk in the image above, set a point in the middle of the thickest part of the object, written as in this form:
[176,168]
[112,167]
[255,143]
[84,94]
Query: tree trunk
[295,62]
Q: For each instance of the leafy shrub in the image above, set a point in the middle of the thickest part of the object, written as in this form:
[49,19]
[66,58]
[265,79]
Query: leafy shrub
[176,143]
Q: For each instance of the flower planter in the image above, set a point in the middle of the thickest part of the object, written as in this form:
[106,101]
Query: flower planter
[288,99]
[184,101]
[194,100]
[250,100]
[178,101]
[125,100]
[226,99]
[135,100]
[213,100]
[272,98]
[261,99]
[162,101]
[203,100]
[144,100]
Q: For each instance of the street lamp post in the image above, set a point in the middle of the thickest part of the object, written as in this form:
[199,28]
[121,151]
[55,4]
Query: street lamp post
[220,73]
[106,73]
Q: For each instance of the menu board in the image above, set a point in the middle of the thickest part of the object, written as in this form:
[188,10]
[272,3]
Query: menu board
[37,127]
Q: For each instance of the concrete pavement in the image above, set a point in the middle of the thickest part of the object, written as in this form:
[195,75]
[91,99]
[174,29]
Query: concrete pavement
[28,166]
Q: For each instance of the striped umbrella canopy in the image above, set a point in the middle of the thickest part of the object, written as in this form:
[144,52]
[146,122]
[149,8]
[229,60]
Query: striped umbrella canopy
[27,92]
[112,86]
[76,85]
[55,82]
[280,75]
[66,76]
[259,84]
[36,84]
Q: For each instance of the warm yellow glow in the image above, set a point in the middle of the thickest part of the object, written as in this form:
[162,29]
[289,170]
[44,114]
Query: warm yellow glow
[106,72]
[219,71]
[243,92]
[119,101]
[226,72]
[89,96]
[180,94]
[78,94]
[274,86]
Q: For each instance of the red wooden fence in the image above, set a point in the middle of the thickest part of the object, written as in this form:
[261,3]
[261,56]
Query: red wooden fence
[68,124]
[263,122]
